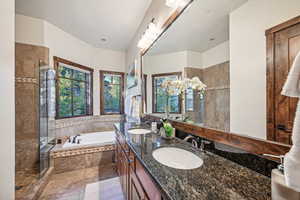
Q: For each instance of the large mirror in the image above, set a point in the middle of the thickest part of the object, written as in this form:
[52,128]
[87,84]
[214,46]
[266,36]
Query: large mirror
[210,42]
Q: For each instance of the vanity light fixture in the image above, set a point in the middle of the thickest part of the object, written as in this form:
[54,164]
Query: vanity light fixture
[149,36]
[176,3]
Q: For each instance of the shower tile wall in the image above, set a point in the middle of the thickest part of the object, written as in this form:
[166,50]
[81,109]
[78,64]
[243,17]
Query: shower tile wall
[27,101]
[216,113]
[217,96]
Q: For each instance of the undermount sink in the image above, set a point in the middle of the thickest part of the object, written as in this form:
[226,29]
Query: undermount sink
[138,131]
[177,158]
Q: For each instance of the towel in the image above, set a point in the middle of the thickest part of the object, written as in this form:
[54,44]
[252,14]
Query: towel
[291,88]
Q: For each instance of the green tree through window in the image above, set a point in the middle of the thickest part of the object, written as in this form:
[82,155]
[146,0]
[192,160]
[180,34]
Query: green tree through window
[160,96]
[111,93]
[74,91]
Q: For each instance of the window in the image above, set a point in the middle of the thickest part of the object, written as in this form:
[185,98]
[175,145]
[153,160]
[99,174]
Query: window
[73,89]
[189,100]
[159,97]
[111,92]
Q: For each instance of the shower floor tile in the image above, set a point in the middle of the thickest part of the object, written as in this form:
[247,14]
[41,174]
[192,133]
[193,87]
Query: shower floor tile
[23,181]
[72,185]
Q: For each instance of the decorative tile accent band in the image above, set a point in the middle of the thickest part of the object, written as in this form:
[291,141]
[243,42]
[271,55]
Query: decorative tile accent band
[80,151]
[25,80]
[218,88]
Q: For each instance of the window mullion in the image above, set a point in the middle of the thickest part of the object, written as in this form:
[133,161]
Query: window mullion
[86,95]
[72,93]
[120,97]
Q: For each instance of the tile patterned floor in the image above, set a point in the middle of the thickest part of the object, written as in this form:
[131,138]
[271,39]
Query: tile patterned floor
[23,181]
[71,185]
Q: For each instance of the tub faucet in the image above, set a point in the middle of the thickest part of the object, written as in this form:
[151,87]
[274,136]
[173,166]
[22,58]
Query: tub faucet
[74,139]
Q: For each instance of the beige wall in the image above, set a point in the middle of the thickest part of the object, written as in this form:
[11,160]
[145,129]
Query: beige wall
[216,55]
[39,32]
[248,61]
[7,104]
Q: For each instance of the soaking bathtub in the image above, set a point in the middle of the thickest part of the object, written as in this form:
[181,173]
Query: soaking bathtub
[88,139]
[93,149]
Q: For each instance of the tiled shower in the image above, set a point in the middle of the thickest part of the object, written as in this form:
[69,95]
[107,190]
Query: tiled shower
[35,114]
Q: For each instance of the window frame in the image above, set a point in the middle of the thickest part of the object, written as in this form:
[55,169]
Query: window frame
[56,62]
[153,76]
[101,74]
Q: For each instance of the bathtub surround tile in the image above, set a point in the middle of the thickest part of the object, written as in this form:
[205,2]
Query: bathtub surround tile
[88,124]
[64,123]
[65,164]
[59,152]
[64,160]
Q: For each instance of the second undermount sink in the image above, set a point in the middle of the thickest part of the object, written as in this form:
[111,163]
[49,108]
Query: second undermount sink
[138,131]
[177,158]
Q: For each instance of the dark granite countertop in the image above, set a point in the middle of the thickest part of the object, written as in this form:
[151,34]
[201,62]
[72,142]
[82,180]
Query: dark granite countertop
[217,178]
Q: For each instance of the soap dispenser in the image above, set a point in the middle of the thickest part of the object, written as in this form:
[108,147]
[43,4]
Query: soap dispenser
[280,190]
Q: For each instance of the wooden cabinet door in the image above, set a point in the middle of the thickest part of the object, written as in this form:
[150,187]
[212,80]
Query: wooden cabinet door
[117,159]
[124,172]
[136,191]
[285,45]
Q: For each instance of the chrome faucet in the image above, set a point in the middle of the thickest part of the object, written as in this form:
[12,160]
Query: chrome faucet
[194,141]
[188,137]
[74,138]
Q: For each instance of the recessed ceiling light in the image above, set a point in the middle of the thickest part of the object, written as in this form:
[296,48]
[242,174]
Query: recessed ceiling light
[104,39]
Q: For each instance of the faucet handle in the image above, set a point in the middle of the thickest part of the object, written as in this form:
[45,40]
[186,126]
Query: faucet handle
[203,143]
[281,157]
[194,143]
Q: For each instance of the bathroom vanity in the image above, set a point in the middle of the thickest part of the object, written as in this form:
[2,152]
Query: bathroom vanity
[143,177]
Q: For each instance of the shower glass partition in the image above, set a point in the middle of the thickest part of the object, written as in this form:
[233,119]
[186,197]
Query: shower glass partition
[46,116]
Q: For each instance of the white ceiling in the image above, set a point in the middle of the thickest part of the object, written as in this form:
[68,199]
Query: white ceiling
[203,20]
[90,20]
